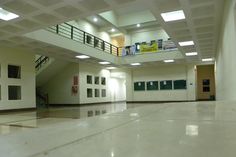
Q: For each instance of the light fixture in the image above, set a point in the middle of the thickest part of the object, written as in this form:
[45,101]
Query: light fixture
[186,43]
[207,59]
[111,68]
[82,57]
[104,63]
[173,16]
[191,54]
[95,19]
[6,15]
[169,61]
[135,64]
[113,30]
[138,25]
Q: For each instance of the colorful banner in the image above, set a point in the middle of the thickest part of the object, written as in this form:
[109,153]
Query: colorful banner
[144,48]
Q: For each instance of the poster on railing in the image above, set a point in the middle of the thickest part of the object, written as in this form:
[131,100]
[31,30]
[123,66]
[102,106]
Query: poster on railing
[145,48]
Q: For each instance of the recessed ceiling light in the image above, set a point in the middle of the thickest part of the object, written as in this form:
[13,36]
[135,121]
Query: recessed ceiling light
[173,16]
[111,68]
[6,15]
[95,19]
[207,59]
[113,30]
[186,43]
[104,63]
[135,64]
[191,54]
[82,57]
[169,61]
[138,25]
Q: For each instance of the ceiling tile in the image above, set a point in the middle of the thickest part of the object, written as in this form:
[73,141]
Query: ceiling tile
[203,11]
[27,23]
[48,2]
[46,18]
[93,5]
[11,29]
[68,11]
[20,7]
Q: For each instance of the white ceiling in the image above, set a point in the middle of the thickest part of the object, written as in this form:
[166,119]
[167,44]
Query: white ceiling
[202,24]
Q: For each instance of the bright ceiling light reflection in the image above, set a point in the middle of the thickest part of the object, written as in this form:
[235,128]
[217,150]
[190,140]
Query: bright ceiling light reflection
[82,57]
[192,130]
[135,64]
[207,59]
[6,15]
[134,114]
[173,16]
[113,30]
[104,63]
[186,43]
[138,25]
[169,61]
[191,54]
[111,68]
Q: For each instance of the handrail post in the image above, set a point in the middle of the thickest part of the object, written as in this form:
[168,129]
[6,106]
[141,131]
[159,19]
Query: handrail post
[72,32]
[57,29]
[103,45]
[94,42]
[110,48]
[117,50]
[84,37]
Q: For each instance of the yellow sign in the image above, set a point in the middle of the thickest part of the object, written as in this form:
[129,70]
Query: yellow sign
[144,48]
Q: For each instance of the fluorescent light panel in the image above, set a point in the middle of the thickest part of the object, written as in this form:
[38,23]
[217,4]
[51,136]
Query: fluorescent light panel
[104,63]
[191,54]
[135,64]
[186,43]
[207,59]
[82,57]
[138,25]
[169,61]
[6,15]
[173,16]
[113,30]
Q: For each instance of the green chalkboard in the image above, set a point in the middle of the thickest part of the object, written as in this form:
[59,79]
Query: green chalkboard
[152,85]
[139,86]
[166,85]
[180,84]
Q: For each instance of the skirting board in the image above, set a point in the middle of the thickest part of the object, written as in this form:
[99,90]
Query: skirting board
[18,110]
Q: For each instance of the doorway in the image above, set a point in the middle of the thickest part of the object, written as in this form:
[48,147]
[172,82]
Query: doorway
[206,82]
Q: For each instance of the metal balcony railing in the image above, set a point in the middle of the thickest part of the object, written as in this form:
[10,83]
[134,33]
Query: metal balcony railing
[40,62]
[74,33]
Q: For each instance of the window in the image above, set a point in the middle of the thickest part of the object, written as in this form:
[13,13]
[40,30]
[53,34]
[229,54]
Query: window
[166,85]
[103,81]
[97,93]
[152,85]
[180,84]
[89,93]
[90,113]
[206,85]
[14,71]
[104,93]
[89,79]
[139,86]
[96,80]
[97,112]
[14,92]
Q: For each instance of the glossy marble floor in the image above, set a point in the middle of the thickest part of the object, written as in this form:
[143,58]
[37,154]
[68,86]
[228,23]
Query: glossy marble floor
[194,129]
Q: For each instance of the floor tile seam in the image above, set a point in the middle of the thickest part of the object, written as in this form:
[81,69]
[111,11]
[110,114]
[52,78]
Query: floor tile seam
[98,133]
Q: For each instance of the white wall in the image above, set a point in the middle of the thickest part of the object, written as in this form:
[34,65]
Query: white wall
[26,60]
[92,29]
[59,87]
[225,60]
[168,72]
[148,35]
